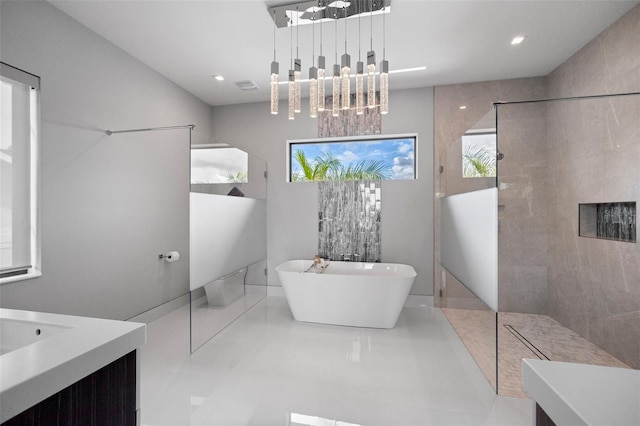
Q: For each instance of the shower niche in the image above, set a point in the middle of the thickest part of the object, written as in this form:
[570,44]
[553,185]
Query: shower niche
[608,221]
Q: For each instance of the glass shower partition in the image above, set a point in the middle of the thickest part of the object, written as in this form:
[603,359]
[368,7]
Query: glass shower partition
[467,262]
[568,281]
[227,237]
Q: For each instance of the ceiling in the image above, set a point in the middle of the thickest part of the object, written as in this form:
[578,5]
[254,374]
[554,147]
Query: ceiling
[458,41]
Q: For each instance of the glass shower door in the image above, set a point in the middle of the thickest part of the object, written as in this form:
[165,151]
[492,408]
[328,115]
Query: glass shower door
[466,203]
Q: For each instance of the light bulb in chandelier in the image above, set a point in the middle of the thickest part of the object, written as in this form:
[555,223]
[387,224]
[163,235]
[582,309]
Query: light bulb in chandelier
[275,71]
[359,88]
[275,67]
[292,94]
[297,72]
[321,78]
[384,87]
[313,92]
[345,84]
[371,79]
[336,91]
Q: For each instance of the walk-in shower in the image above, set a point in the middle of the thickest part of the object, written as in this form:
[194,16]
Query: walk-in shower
[568,281]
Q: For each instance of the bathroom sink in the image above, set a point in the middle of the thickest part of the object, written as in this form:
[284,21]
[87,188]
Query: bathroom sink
[44,353]
[15,334]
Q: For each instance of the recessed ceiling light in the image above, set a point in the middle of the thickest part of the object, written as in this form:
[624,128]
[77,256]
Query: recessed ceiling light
[218,77]
[463,107]
[517,40]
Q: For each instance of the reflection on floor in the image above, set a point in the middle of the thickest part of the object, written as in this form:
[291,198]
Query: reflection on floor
[267,369]
[521,336]
[207,321]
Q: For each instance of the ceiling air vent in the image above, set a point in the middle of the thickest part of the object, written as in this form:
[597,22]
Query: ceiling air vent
[246,85]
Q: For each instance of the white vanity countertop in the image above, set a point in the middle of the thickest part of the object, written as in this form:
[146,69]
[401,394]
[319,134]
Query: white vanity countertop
[581,394]
[34,372]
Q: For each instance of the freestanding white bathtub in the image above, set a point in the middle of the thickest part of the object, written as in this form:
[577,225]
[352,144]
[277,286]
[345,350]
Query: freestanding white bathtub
[355,294]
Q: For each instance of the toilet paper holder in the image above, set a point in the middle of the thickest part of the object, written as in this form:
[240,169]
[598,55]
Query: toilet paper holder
[170,256]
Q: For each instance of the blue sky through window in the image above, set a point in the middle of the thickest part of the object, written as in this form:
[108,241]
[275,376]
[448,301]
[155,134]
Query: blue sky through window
[397,154]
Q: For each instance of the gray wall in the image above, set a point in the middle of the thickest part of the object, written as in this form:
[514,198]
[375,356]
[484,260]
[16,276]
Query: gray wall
[292,224]
[109,204]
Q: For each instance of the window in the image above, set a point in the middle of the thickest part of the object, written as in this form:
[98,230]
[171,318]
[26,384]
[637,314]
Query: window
[377,158]
[19,243]
[218,165]
[479,154]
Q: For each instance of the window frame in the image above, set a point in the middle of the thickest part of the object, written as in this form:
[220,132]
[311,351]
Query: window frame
[33,270]
[365,138]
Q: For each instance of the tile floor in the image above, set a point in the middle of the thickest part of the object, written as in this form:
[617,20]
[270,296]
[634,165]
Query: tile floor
[207,321]
[267,369]
[477,329]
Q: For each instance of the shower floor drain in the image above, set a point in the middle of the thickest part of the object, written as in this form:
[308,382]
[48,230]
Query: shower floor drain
[537,352]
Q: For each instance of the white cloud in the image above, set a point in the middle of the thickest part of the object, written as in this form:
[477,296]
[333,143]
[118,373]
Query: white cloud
[404,148]
[403,167]
[348,157]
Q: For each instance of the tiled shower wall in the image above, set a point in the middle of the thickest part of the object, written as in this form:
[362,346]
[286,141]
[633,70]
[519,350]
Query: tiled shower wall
[594,285]
[349,220]
[523,183]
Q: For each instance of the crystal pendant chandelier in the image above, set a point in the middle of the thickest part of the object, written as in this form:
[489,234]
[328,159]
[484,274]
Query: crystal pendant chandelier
[359,77]
[291,84]
[321,75]
[345,70]
[335,111]
[336,91]
[274,87]
[366,91]
[292,94]
[275,71]
[384,71]
[313,79]
[297,70]
[371,71]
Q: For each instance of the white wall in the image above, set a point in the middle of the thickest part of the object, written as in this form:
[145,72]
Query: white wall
[292,218]
[110,204]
